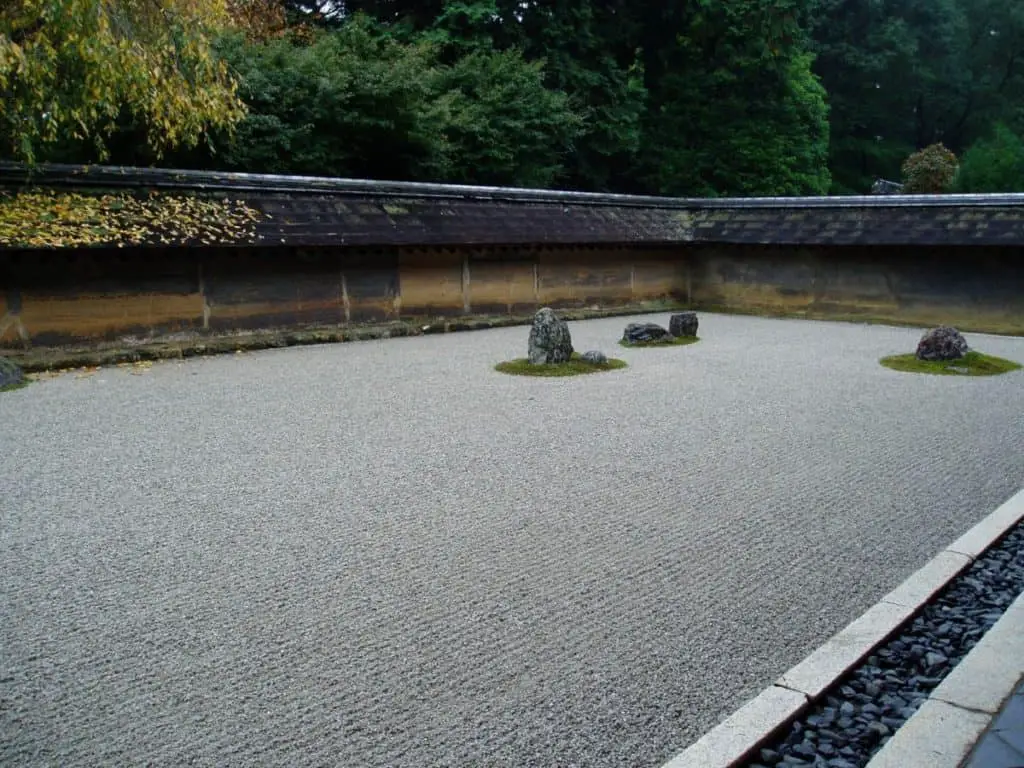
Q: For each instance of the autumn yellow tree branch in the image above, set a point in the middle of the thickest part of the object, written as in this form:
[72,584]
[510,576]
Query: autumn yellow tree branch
[70,68]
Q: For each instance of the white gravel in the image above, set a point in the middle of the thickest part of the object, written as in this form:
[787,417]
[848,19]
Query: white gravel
[387,554]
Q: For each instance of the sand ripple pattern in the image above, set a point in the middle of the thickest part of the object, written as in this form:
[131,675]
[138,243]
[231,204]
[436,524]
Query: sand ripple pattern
[386,554]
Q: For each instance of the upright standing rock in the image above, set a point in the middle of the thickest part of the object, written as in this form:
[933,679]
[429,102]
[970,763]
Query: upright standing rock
[10,374]
[683,324]
[942,343]
[550,341]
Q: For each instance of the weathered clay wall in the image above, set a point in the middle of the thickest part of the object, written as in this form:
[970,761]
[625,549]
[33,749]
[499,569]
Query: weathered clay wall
[67,297]
[55,298]
[333,253]
[979,288]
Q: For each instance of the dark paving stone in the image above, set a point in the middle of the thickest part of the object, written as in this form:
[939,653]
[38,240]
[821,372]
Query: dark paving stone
[1012,714]
[993,752]
[1014,739]
[1003,745]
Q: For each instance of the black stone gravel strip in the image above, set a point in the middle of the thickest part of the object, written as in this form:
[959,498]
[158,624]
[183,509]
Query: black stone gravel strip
[861,712]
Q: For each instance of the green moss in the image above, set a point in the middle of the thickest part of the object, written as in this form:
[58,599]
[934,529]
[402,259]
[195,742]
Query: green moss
[675,341]
[575,367]
[971,364]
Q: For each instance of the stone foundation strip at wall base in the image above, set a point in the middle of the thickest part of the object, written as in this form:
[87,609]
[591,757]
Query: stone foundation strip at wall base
[196,345]
[737,738]
[1010,326]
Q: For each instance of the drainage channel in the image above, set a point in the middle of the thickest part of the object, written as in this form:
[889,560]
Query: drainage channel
[862,710]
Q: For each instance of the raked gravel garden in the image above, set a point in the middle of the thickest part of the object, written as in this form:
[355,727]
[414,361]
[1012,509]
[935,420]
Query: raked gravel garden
[387,553]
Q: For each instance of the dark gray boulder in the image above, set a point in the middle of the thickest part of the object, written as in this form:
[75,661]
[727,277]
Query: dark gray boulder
[550,341]
[10,374]
[683,324]
[643,333]
[942,343]
[594,357]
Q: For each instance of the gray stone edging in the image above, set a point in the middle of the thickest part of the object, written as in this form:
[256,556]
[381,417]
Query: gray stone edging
[738,736]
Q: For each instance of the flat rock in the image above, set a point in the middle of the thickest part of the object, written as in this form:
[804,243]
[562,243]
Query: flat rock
[942,343]
[594,357]
[10,374]
[550,341]
[642,333]
[683,324]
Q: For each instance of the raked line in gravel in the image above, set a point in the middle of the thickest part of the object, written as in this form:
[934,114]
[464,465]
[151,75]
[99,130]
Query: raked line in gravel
[736,740]
[386,554]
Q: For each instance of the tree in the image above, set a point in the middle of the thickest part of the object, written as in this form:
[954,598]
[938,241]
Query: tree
[358,101]
[994,58]
[893,71]
[70,69]
[259,19]
[993,164]
[930,171]
[589,53]
[903,74]
[355,102]
[501,124]
[686,97]
[735,107]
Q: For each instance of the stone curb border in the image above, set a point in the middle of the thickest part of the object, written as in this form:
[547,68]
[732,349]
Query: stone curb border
[737,737]
[949,723]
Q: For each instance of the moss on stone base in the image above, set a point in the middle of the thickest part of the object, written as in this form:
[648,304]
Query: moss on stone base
[577,366]
[675,341]
[971,364]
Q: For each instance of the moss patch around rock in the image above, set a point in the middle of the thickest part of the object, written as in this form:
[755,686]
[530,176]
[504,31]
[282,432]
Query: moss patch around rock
[574,367]
[675,341]
[971,364]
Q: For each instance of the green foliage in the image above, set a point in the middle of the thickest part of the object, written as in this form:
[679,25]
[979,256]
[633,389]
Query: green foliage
[705,97]
[887,66]
[684,97]
[740,112]
[501,125]
[352,103]
[589,53]
[993,164]
[904,74]
[359,102]
[930,171]
[971,364]
[465,27]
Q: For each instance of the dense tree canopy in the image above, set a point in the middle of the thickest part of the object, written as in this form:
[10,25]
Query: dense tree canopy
[904,74]
[681,97]
[993,164]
